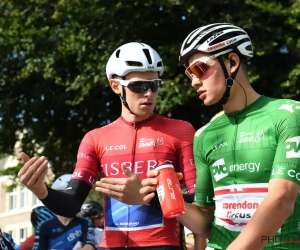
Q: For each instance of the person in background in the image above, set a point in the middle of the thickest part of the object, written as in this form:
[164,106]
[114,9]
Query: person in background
[63,233]
[9,238]
[94,211]
[38,215]
[5,244]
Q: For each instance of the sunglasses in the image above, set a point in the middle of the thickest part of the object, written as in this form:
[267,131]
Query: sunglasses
[200,68]
[141,86]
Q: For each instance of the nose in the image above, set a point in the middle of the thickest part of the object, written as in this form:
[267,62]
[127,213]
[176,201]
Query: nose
[195,81]
[148,92]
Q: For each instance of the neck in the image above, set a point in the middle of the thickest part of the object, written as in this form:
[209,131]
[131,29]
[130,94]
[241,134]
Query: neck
[134,118]
[241,96]
[64,220]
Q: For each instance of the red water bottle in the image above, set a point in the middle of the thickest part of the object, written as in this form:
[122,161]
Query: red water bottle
[169,191]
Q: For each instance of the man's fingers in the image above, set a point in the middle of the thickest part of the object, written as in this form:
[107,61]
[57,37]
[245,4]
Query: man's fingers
[147,198]
[109,186]
[149,182]
[27,165]
[127,171]
[179,176]
[32,170]
[112,181]
[38,173]
[152,173]
[108,192]
[25,158]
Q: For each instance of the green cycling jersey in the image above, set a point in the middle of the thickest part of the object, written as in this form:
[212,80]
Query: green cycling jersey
[236,155]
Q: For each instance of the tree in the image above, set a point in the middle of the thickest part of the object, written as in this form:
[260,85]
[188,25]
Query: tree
[53,86]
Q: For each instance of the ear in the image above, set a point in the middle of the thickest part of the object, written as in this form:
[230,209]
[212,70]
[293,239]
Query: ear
[115,86]
[233,62]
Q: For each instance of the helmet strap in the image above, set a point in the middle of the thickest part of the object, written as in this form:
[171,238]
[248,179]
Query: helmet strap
[229,80]
[123,99]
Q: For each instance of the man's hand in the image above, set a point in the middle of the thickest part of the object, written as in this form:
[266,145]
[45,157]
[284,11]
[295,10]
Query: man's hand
[125,190]
[150,184]
[32,174]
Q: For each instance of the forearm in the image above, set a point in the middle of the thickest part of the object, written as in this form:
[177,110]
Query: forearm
[197,218]
[67,203]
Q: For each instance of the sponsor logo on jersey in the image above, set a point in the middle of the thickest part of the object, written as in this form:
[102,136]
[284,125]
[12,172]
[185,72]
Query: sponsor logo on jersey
[221,145]
[231,215]
[283,171]
[131,224]
[138,167]
[81,155]
[150,142]
[220,171]
[73,236]
[57,230]
[240,205]
[78,175]
[290,106]
[116,147]
[251,136]
[293,147]
[118,210]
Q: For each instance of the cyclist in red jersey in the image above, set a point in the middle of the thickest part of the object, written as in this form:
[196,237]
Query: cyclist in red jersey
[124,151]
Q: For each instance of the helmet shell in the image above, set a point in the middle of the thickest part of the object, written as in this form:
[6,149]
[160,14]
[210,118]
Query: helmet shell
[61,182]
[215,38]
[91,209]
[40,214]
[132,57]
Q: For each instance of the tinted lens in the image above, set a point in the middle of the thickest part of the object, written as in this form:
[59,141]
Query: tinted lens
[197,69]
[143,86]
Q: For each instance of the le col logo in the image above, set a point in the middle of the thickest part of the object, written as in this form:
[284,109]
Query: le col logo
[221,145]
[290,106]
[116,147]
[293,147]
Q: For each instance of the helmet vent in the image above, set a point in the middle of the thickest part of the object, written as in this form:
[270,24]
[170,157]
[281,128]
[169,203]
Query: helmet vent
[118,53]
[147,54]
[159,64]
[134,63]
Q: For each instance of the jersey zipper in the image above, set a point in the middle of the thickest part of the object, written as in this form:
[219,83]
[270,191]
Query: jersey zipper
[132,169]
[236,120]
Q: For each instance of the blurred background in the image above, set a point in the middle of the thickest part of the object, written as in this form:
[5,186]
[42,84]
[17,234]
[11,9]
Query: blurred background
[53,87]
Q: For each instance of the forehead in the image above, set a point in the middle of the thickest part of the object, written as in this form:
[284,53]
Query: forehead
[196,57]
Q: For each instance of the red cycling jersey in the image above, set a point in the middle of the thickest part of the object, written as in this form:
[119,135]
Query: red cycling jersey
[139,145]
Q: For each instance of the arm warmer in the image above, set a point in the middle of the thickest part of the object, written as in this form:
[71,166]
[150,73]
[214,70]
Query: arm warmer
[67,203]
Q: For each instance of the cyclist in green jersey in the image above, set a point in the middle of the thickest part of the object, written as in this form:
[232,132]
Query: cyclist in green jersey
[247,159]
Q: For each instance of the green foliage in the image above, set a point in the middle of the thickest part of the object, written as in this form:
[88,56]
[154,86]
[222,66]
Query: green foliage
[53,55]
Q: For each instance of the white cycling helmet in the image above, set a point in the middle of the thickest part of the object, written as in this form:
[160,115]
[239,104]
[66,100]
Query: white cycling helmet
[133,57]
[61,182]
[215,38]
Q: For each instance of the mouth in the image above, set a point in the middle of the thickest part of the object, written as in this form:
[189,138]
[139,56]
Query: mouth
[146,103]
[201,93]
